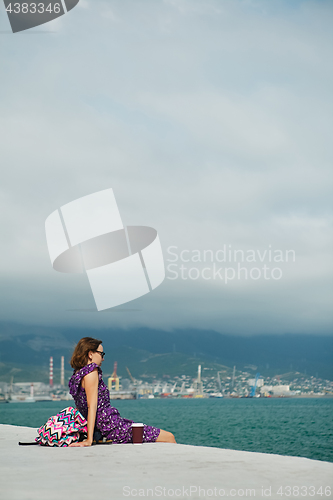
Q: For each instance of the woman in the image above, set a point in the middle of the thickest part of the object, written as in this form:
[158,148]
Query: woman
[92,399]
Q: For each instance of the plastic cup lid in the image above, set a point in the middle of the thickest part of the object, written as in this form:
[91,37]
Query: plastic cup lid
[137,425]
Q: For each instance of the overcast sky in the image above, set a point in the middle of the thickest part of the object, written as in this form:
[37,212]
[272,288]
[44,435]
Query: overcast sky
[212,122]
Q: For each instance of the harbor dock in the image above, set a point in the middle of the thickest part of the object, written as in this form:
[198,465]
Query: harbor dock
[152,470]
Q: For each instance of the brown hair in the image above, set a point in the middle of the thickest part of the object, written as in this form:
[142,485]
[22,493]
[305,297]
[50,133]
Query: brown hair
[79,357]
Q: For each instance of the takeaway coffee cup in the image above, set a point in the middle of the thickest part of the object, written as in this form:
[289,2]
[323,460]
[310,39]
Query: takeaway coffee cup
[137,433]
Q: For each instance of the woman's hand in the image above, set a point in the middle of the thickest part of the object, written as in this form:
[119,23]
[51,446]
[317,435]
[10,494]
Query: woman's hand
[81,443]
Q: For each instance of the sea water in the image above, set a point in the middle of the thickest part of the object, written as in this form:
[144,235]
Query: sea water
[284,426]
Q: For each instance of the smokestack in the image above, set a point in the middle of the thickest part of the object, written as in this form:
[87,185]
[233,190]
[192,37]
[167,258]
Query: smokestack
[32,390]
[51,371]
[199,373]
[62,371]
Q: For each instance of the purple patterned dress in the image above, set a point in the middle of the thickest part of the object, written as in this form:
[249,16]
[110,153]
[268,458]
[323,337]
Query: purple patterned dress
[108,421]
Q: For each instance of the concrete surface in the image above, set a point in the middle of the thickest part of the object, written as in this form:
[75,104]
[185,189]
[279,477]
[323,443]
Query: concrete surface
[152,471]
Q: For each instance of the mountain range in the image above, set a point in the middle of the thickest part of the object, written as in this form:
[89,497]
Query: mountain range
[25,351]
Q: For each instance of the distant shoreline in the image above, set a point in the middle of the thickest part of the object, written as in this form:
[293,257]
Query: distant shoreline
[302,396]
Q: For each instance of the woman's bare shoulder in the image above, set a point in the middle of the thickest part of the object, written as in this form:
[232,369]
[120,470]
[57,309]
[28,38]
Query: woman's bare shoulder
[90,377]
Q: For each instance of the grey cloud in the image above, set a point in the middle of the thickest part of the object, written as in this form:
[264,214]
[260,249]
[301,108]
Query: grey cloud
[210,120]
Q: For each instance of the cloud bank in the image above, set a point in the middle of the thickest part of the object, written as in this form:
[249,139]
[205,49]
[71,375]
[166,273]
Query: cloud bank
[211,121]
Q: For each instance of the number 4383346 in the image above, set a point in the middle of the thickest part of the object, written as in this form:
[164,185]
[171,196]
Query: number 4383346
[303,491]
[33,8]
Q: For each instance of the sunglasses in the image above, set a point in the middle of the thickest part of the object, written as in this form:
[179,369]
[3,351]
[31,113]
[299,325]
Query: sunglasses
[101,353]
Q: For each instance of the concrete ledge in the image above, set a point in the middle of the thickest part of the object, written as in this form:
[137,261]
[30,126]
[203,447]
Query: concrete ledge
[127,471]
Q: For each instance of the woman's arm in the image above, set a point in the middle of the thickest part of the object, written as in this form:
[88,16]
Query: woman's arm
[90,385]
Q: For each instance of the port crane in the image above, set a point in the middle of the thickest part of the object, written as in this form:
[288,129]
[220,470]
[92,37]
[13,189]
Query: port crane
[131,377]
[254,387]
[114,378]
[173,388]
[219,382]
[233,377]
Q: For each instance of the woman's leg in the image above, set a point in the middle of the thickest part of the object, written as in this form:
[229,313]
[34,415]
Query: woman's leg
[165,437]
